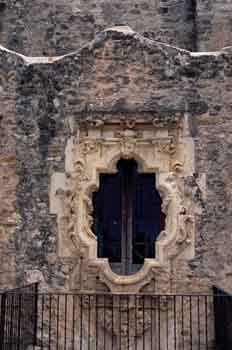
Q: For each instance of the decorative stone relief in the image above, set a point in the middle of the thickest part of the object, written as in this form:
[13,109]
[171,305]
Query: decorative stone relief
[158,146]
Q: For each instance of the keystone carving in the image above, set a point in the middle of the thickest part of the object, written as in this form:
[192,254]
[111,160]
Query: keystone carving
[128,147]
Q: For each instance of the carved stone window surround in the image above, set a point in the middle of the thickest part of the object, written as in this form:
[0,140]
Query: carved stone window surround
[157,148]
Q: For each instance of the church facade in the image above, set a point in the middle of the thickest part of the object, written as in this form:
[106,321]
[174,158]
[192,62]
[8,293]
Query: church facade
[115,164]
[69,120]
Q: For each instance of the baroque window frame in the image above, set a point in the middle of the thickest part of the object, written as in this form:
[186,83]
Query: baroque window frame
[158,146]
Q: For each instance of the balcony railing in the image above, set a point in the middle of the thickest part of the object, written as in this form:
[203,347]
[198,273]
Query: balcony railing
[115,322]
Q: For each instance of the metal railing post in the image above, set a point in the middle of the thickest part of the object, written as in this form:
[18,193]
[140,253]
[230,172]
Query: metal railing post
[2,321]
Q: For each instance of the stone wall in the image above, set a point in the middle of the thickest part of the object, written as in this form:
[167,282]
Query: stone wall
[119,71]
[58,27]
[213,23]
[8,174]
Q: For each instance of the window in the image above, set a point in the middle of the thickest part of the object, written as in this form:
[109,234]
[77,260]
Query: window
[127,217]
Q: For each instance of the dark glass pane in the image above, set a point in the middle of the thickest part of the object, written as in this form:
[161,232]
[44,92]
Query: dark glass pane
[147,218]
[107,217]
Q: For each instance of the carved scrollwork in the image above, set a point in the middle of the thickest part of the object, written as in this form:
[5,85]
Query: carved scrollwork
[177,166]
[167,146]
[87,147]
[128,133]
[74,240]
[89,210]
[165,203]
[92,122]
[89,205]
[80,173]
[165,122]
[96,149]
[98,123]
[130,123]
[128,147]
[162,236]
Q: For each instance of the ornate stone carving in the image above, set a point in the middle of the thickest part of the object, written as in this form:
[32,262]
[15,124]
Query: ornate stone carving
[130,123]
[177,166]
[185,227]
[167,146]
[80,173]
[98,145]
[87,147]
[128,147]
[128,133]
[125,121]
[166,122]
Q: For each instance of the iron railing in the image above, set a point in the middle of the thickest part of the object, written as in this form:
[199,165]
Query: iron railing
[116,322]
[18,318]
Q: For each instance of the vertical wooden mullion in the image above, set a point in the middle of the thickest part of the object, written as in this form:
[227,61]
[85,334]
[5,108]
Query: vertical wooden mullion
[127,228]
[124,221]
[128,184]
[131,183]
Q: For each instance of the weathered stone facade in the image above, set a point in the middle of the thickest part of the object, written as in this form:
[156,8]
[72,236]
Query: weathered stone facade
[57,27]
[119,77]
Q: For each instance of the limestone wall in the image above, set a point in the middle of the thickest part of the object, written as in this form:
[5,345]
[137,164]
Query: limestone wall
[8,175]
[213,23]
[57,27]
[119,72]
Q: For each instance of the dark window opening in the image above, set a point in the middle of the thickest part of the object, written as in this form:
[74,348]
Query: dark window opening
[127,217]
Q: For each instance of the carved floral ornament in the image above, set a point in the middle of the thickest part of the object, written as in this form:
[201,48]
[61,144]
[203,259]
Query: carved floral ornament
[156,148]
[125,122]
